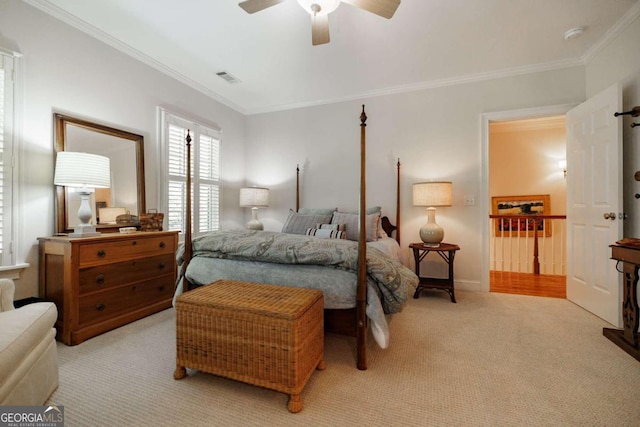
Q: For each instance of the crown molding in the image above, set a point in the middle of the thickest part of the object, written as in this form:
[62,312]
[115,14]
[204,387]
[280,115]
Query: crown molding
[632,14]
[532,124]
[432,84]
[610,35]
[100,35]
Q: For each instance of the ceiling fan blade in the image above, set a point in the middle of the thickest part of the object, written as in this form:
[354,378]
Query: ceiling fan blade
[253,6]
[319,29]
[384,8]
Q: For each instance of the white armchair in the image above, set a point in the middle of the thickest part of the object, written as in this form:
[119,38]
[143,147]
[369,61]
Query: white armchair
[28,353]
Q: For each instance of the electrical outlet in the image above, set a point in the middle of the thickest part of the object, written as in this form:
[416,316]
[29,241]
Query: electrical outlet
[469,200]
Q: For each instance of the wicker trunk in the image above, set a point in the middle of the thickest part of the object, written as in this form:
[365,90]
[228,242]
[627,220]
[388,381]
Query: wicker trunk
[265,335]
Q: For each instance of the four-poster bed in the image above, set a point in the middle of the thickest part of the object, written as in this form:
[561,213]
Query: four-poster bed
[361,283]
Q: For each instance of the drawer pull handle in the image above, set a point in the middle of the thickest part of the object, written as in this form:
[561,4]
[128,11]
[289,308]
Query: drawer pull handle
[161,266]
[161,288]
[100,279]
[134,243]
[100,306]
[102,253]
[162,245]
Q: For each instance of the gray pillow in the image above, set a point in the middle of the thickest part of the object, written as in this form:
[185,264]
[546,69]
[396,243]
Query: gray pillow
[298,224]
[350,221]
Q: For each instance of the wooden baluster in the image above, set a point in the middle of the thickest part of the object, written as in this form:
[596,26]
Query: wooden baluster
[536,261]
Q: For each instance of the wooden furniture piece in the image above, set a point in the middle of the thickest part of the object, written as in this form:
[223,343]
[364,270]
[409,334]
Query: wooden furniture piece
[447,252]
[351,321]
[266,335]
[103,282]
[628,338]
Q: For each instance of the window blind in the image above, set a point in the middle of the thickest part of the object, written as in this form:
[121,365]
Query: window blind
[205,174]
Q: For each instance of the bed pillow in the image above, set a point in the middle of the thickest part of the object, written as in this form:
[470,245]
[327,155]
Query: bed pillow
[339,227]
[371,210]
[350,221]
[297,223]
[316,211]
[326,233]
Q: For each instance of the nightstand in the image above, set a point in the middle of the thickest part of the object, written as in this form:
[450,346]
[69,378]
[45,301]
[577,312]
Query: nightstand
[447,252]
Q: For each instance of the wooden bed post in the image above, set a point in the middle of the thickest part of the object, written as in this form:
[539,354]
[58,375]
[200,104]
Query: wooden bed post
[188,249]
[398,203]
[297,188]
[361,293]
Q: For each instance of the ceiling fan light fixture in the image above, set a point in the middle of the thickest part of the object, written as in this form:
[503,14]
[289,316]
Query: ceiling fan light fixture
[319,7]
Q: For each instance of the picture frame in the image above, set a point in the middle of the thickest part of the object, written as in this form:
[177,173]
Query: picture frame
[521,206]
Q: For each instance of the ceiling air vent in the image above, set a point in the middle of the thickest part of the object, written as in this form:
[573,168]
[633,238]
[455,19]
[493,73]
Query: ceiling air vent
[228,77]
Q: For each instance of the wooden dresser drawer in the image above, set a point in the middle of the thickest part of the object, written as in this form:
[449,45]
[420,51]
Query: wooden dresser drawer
[105,276]
[102,282]
[102,305]
[117,250]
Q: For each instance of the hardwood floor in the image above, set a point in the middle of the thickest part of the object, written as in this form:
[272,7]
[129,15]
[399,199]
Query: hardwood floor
[542,285]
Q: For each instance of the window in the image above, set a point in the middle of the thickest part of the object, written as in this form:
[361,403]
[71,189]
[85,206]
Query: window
[7,160]
[205,173]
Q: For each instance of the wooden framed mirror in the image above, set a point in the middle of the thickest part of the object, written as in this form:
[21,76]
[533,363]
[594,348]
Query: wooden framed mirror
[127,193]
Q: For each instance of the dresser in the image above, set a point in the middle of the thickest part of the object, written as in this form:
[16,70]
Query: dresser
[103,282]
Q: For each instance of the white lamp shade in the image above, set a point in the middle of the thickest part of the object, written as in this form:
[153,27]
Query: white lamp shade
[74,169]
[432,194]
[254,197]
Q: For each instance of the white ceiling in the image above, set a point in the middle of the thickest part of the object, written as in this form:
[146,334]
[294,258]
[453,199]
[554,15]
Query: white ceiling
[427,43]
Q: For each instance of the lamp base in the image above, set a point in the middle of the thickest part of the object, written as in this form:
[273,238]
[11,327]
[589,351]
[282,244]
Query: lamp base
[84,230]
[431,233]
[254,224]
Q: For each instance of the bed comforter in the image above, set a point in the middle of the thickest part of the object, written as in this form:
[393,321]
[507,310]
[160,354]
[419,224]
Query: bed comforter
[288,259]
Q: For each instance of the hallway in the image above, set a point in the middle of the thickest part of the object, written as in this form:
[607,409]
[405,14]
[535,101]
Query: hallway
[541,285]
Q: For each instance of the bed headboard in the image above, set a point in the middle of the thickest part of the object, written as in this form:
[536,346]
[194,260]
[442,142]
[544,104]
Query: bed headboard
[386,223]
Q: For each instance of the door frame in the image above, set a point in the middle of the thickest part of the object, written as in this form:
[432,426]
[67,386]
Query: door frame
[485,205]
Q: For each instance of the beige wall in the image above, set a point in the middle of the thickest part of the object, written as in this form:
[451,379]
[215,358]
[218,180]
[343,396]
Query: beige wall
[436,133]
[68,71]
[524,161]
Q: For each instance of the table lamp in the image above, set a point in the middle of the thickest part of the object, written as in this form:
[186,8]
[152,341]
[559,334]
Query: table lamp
[83,172]
[254,198]
[432,194]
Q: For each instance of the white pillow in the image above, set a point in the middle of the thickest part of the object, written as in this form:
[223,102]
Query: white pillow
[339,227]
[326,233]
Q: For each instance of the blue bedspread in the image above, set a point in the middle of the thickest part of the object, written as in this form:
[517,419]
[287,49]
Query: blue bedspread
[391,278]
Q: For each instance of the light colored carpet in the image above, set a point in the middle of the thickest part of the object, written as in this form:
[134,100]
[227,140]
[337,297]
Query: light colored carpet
[489,360]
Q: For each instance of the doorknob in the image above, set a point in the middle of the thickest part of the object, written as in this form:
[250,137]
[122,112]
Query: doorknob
[610,215]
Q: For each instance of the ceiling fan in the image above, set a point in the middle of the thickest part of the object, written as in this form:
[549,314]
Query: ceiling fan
[320,10]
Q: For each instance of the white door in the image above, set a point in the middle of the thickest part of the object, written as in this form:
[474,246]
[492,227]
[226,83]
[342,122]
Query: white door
[594,204]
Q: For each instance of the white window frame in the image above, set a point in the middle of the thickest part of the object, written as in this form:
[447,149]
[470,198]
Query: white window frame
[10,62]
[196,129]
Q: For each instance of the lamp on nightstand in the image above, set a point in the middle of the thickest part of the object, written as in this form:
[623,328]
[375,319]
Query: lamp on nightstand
[84,172]
[254,198]
[432,194]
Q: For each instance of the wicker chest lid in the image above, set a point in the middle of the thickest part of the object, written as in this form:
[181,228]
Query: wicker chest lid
[266,300]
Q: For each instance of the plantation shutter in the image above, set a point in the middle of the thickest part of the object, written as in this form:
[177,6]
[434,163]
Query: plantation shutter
[205,175]
[6,156]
